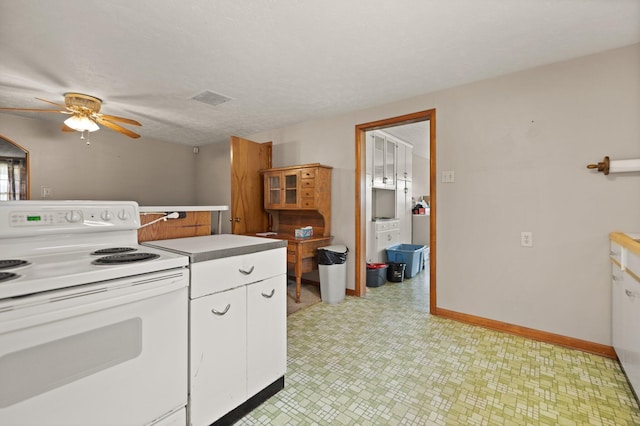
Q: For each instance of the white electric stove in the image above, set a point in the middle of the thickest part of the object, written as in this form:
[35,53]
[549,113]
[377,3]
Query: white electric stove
[93,326]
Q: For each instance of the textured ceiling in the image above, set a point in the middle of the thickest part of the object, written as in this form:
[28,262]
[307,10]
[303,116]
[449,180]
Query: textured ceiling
[281,61]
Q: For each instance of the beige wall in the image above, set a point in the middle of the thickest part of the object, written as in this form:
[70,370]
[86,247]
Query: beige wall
[112,167]
[518,145]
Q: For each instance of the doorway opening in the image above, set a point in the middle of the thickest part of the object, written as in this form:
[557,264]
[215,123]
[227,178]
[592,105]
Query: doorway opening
[361,185]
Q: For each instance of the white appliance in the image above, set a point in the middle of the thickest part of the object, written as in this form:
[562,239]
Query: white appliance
[421,229]
[93,326]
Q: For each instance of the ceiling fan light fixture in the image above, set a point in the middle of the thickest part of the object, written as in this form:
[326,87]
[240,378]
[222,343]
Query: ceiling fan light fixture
[81,123]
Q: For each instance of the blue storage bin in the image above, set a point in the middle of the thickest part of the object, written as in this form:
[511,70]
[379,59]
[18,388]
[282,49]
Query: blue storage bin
[411,254]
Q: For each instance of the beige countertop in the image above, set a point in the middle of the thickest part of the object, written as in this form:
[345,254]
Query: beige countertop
[630,241]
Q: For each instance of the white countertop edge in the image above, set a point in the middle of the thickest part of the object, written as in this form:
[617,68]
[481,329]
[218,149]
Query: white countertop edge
[169,209]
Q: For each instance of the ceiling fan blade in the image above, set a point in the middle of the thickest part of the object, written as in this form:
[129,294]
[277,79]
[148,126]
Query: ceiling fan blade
[117,128]
[120,119]
[52,103]
[66,128]
[37,110]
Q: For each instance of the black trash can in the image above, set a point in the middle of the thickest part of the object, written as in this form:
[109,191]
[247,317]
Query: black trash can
[395,271]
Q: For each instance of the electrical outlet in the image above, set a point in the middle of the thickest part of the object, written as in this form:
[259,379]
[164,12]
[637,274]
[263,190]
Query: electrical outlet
[526,239]
[448,176]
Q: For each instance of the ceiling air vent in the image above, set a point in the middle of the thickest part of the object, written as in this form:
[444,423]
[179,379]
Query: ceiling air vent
[211,98]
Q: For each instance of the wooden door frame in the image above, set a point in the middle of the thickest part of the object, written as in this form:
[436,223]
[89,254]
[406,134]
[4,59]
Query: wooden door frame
[361,157]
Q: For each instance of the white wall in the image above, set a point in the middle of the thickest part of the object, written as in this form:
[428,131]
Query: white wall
[519,146]
[112,167]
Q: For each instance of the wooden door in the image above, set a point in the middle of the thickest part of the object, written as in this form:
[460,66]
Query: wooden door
[247,159]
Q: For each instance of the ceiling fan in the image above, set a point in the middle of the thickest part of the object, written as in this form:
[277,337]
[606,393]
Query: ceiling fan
[85,115]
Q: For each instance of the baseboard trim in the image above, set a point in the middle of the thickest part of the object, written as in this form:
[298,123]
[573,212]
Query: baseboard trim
[251,404]
[543,336]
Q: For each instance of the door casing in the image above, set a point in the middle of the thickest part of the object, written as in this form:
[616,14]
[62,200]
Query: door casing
[360,208]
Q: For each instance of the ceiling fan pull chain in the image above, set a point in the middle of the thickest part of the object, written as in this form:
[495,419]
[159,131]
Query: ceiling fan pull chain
[83,138]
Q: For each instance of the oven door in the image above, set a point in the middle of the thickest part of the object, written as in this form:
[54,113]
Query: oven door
[109,353]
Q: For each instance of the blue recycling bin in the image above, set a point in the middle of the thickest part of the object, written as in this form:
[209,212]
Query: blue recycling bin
[411,254]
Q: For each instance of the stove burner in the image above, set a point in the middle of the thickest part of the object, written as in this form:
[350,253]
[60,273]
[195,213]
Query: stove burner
[124,258]
[113,250]
[6,276]
[12,263]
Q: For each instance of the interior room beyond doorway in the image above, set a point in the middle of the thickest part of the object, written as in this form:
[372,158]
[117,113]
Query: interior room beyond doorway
[394,159]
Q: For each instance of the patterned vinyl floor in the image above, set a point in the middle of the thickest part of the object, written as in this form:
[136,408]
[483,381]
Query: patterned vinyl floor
[383,360]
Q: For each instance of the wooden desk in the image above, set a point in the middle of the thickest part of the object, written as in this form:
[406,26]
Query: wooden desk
[301,254]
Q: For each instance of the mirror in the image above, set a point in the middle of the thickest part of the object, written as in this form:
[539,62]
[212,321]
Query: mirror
[14,171]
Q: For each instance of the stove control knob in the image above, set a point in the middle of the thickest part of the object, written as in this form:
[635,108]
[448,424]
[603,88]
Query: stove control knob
[123,215]
[106,215]
[73,216]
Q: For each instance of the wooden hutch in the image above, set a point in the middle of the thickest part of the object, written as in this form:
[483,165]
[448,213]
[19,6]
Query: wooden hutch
[297,197]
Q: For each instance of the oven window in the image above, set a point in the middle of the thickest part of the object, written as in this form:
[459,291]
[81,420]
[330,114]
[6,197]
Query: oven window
[38,369]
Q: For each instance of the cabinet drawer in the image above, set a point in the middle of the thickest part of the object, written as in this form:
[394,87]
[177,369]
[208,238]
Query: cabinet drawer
[307,173]
[307,183]
[386,225]
[307,203]
[307,193]
[222,274]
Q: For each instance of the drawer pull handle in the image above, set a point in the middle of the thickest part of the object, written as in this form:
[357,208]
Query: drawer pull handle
[269,296]
[629,293]
[213,311]
[613,253]
[245,272]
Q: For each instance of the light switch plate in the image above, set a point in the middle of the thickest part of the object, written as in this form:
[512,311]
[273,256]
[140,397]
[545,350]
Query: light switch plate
[448,176]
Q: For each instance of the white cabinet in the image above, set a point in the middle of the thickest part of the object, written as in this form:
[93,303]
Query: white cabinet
[404,161]
[386,233]
[617,295]
[384,161]
[217,365]
[238,331]
[403,210]
[625,309]
[266,333]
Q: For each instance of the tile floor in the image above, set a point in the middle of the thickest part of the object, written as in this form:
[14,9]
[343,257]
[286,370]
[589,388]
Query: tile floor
[382,360]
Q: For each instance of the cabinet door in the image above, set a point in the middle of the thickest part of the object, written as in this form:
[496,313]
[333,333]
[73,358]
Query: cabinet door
[617,298]
[408,163]
[390,164]
[291,189]
[272,190]
[403,209]
[631,331]
[218,347]
[378,160]
[266,332]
